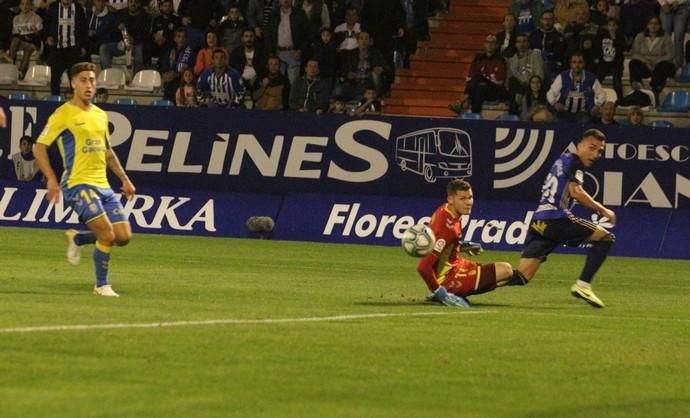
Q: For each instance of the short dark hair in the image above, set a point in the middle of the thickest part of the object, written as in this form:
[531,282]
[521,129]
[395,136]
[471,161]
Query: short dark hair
[81,66]
[458,185]
[247,29]
[219,50]
[101,90]
[26,138]
[594,133]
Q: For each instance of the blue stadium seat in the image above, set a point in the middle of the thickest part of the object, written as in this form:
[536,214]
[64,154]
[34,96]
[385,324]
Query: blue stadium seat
[473,116]
[162,102]
[675,101]
[18,96]
[684,76]
[661,124]
[52,98]
[508,117]
[125,101]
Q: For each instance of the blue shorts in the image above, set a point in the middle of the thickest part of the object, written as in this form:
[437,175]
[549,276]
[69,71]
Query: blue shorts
[91,202]
[545,235]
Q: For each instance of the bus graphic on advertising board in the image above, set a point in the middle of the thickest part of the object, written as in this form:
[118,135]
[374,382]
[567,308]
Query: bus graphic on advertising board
[435,153]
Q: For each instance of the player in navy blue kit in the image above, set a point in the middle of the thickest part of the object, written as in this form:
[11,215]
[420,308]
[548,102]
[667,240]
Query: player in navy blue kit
[554,224]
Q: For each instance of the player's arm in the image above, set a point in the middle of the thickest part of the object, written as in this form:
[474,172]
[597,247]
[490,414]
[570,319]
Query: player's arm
[425,268]
[114,164]
[580,194]
[43,162]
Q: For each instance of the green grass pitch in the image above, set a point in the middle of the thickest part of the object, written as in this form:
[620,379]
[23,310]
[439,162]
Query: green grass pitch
[531,351]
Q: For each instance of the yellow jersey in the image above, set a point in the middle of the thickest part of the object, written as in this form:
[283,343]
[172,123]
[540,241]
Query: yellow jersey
[82,137]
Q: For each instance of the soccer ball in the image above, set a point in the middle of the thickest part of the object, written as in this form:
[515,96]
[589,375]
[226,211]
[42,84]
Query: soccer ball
[418,240]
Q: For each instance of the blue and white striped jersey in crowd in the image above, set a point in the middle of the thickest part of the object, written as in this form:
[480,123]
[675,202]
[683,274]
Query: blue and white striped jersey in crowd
[224,89]
[66,35]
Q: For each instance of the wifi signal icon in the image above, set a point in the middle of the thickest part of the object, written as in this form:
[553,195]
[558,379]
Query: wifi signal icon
[519,151]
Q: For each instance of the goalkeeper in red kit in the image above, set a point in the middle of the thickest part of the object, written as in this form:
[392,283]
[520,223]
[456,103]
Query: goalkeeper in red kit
[450,277]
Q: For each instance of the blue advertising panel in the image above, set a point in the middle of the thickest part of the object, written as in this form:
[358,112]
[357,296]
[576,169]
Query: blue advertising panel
[279,163]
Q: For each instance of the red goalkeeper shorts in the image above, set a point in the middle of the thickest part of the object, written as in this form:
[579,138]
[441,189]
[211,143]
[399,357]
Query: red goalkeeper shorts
[468,278]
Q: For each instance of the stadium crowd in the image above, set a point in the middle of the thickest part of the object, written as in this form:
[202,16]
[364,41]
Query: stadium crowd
[304,55]
[551,58]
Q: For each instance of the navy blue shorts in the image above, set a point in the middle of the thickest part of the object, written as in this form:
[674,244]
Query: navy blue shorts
[92,202]
[545,235]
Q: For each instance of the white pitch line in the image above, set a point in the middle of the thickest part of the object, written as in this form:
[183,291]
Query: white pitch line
[89,327]
[601,317]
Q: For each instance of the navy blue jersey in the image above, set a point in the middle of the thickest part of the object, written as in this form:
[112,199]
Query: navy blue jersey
[556,201]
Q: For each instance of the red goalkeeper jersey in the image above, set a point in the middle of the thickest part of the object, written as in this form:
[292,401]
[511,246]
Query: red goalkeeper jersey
[434,267]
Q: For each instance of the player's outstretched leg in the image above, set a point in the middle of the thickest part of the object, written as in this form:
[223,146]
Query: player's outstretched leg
[601,245]
[75,239]
[105,238]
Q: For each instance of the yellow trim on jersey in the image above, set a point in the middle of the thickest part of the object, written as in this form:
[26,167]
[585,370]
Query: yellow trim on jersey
[83,138]
[479,277]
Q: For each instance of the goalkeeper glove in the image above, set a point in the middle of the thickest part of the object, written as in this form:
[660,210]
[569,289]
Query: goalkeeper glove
[471,248]
[441,295]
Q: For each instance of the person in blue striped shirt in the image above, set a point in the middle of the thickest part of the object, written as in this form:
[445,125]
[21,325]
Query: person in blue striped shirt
[67,31]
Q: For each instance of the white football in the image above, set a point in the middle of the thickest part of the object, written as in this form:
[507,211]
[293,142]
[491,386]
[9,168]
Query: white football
[418,240]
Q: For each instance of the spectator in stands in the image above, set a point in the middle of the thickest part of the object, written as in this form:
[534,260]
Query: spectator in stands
[204,58]
[324,51]
[101,23]
[636,116]
[370,104]
[26,35]
[506,38]
[220,86]
[117,5]
[612,50]
[535,100]
[600,14]
[576,94]
[416,28]
[385,22]
[231,28]
[133,30]
[338,9]
[185,96]
[6,17]
[527,14]
[521,67]
[485,80]
[579,29]
[272,92]
[259,17]
[249,59]
[317,17]
[66,32]
[674,20]
[165,24]
[101,96]
[346,33]
[308,93]
[652,55]
[338,106]
[634,17]
[591,51]
[24,161]
[566,11]
[360,67]
[608,112]
[197,17]
[289,37]
[174,60]
[551,44]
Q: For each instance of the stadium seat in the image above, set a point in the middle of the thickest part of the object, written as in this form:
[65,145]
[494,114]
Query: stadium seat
[162,102]
[145,80]
[661,124]
[684,76]
[508,117]
[470,115]
[18,96]
[36,75]
[125,101]
[9,74]
[611,95]
[52,98]
[111,78]
[675,101]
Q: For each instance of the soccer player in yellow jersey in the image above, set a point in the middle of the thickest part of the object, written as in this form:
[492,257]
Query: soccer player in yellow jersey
[81,131]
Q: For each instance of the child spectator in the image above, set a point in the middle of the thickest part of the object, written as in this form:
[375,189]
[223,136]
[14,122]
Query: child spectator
[636,116]
[101,96]
[612,55]
[339,106]
[24,161]
[370,104]
[185,96]
[26,35]
[535,100]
